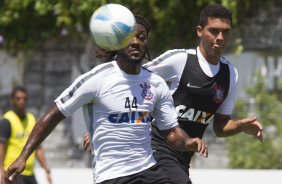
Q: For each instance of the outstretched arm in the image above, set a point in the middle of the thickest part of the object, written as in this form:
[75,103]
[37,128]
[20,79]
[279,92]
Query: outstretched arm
[41,130]
[2,157]
[180,141]
[224,126]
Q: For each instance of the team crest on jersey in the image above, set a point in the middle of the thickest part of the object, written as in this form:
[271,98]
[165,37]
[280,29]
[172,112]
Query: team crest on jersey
[146,92]
[219,94]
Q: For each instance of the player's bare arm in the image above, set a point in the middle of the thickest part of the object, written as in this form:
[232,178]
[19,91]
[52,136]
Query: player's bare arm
[41,130]
[224,126]
[2,156]
[180,141]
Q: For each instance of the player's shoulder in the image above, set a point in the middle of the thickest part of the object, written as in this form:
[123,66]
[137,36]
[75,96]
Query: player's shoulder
[232,68]
[96,74]
[99,71]
[225,61]
[102,68]
[4,121]
[191,51]
[153,76]
[171,53]
[30,115]
[168,58]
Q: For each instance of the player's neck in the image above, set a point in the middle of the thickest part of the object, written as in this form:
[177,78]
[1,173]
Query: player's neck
[20,113]
[212,59]
[130,68]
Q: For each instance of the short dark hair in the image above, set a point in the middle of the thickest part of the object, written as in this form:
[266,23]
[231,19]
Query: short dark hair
[215,11]
[16,89]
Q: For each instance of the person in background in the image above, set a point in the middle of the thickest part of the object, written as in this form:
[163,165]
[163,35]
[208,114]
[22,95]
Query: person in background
[15,128]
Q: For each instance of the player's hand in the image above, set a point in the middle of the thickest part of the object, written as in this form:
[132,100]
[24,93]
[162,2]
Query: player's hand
[14,169]
[86,143]
[197,145]
[253,127]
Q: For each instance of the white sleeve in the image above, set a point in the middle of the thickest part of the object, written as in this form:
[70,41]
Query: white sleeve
[164,112]
[227,106]
[79,93]
[169,65]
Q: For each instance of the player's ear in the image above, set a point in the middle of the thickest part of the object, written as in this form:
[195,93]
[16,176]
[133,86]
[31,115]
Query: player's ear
[199,31]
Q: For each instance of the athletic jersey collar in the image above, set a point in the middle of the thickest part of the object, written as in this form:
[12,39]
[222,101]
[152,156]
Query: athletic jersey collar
[209,69]
[128,76]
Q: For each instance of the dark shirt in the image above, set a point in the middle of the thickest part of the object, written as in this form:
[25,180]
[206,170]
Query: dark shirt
[5,130]
[196,99]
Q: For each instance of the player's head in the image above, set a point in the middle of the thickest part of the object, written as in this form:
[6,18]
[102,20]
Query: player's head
[19,98]
[143,21]
[214,11]
[214,31]
[109,55]
[137,49]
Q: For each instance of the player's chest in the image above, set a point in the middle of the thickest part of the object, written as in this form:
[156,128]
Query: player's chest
[131,96]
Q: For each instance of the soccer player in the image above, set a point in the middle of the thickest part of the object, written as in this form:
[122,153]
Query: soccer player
[119,100]
[203,84]
[15,128]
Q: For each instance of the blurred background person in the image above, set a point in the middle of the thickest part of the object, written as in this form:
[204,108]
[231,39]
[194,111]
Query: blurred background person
[15,128]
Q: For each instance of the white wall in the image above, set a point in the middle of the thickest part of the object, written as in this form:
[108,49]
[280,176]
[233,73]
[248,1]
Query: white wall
[248,64]
[11,69]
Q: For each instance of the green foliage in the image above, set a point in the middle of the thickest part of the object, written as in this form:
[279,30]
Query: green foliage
[29,23]
[244,151]
[26,23]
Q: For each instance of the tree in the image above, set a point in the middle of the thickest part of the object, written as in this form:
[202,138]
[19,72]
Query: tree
[28,23]
[243,150]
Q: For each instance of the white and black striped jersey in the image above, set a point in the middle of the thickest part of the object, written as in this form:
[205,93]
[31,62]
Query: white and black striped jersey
[119,108]
[199,91]
[170,66]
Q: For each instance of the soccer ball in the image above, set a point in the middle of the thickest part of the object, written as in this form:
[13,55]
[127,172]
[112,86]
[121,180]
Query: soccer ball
[112,26]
